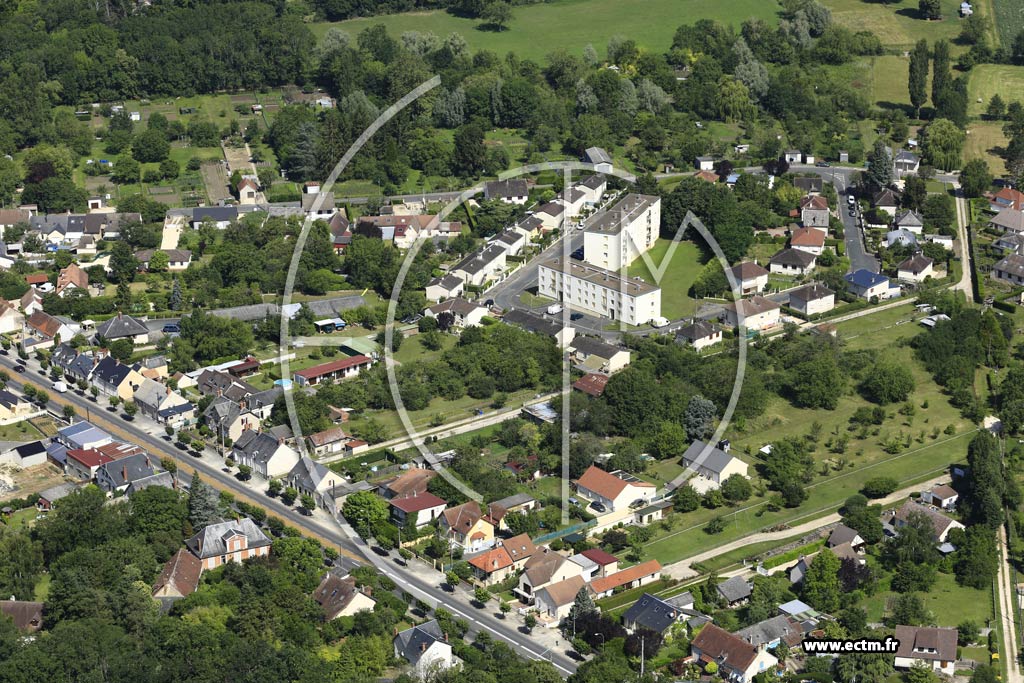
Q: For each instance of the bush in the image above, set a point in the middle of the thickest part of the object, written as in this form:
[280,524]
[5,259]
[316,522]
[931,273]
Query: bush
[879,487]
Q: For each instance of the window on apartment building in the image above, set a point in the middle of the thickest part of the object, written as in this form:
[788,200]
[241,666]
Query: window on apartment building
[223,559]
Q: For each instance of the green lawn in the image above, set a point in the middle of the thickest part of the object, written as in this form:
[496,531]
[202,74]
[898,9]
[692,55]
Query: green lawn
[1009,18]
[897,24]
[677,279]
[985,80]
[950,602]
[19,431]
[537,30]
[412,349]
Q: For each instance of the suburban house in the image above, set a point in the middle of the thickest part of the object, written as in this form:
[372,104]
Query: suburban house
[229,419]
[31,301]
[466,526]
[941,495]
[491,566]
[318,204]
[551,215]
[711,465]
[312,478]
[441,288]
[1007,198]
[917,268]
[941,524]
[842,535]
[707,176]
[770,633]
[653,614]
[935,647]
[232,541]
[593,188]
[12,321]
[411,482]
[328,442]
[114,378]
[24,454]
[267,456]
[554,601]
[419,509]
[814,211]
[333,370]
[515,191]
[42,331]
[426,648]
[50,496]
[614,490]
[220,216]
[792,262]
[123,327]
[177,259]
[887,201]
[1008,220]
[910,220]
[901,237]
[812,299]
[544,567]
[606,563]
[735,591]
[906,163]
[153,398]
[808,185]
[593,355]
[1010,268]
[14,408]
[339,596]
[601,160]
[117,475]
[247,190]
[700,334]
[811,240]
[464,313]
[179,577]
[758,313]
[82,464]
[865,284]
[531,322]
[520,548]
[71,278]
[26,614]
[625,579]
[705,163]
[750,277]
[480,266]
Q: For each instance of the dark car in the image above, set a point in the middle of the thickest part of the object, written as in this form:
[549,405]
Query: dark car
[578,254]
[172,329]
[575,316]
[19,368]
[822,164]
[489,302]
[598,506]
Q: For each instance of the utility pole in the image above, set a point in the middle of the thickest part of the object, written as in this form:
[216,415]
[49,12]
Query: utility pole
[642,656]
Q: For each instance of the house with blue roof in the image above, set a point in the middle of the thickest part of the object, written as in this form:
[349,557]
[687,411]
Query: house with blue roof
[866,284]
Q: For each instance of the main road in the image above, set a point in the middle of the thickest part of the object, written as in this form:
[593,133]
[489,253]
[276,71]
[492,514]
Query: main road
[424,583]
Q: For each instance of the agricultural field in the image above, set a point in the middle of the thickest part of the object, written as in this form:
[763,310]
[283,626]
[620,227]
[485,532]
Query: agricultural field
[988,79]
[985,140]
[537,30]
[1009,18]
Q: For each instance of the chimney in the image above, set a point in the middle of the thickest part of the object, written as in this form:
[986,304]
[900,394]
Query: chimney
[423,647]
[446,637]
[124,472]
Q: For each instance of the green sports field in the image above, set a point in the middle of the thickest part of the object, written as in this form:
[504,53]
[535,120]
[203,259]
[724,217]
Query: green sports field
[537,30]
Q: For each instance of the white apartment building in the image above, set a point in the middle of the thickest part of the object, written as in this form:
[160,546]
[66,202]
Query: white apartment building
[598,290]
[614,238]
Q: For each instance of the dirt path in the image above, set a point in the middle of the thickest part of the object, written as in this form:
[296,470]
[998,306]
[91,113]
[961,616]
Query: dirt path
[1007,608]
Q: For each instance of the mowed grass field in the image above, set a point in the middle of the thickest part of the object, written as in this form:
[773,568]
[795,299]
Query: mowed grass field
[537,30]
[897,24]
[679,275]
[1009,16]
[982,142]
[988,79]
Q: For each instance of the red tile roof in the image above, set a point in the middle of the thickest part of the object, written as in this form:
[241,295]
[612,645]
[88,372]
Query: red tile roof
[816,202]
[606,583]
[592,383]
[492,560]
[599,556]
[415,503]
[37,278]
[807,237]
[89,458]
[606,484]
[717,644]
[708,176]
[333,366]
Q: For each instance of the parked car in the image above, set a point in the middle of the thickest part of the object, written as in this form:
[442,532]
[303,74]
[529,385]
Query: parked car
[575,316]
[19,368]
[822,164]
[598,506]
[60,387]
[554,309]
[171,328]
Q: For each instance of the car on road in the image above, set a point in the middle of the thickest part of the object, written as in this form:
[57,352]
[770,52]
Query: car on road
[822,164]
[577,255]
[554,309]
[575,316]
[850,199]
[19,368]
[171,328]
[853,212]
[60,387]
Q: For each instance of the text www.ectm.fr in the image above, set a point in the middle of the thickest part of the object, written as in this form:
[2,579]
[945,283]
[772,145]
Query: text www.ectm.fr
[887,645]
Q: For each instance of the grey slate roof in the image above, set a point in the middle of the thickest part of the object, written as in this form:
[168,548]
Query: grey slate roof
[257,445]
[698,329]
[734,589]
[506,188]
[411,642]
[769,630]
[215,213]
[480,259]
[652,613]
[793,257]
[590,346]
[110,371]
[210,542]
[121,326]
[597,155]
[532,323]
[514,500]
[309,473]
[716,459]
[164,479]
[840,535]
[123,471]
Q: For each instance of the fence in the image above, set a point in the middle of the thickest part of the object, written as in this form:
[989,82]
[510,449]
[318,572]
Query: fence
[564,532]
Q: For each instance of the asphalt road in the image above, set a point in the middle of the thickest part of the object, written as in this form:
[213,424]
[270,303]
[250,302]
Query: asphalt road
[426,587]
